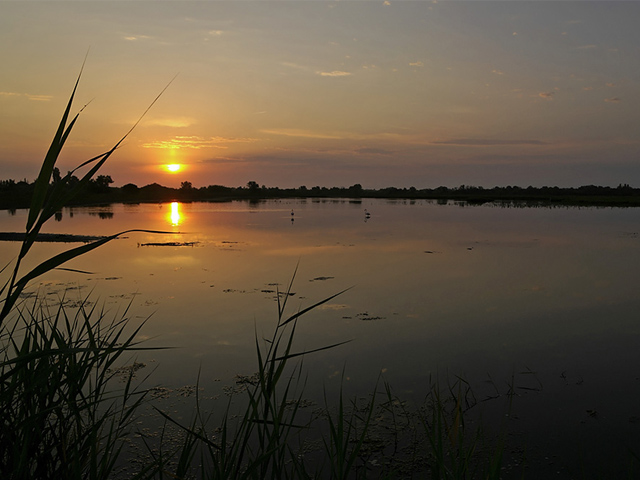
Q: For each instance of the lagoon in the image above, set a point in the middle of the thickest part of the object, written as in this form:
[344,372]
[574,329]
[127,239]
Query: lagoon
[546,296]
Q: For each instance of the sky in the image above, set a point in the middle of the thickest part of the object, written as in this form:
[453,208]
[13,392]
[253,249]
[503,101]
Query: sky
[328,93]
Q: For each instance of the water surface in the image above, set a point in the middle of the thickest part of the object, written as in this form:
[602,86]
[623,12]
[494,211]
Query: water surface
[482,292]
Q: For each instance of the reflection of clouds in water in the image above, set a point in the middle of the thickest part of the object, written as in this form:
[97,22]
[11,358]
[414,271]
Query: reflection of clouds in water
[306,251]
[181,260]
[333,306]
[503,243]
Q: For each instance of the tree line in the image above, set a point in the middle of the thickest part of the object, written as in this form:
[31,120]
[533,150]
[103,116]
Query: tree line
[17,194]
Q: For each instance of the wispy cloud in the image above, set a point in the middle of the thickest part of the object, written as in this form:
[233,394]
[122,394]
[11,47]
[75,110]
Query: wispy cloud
[29,96]
[611,84]
[133,38]
[335,73]
[497,72]
[195,142]
[373,151]
[297,66]
[546,95]
[486,142]
[179,122]
[416,64]
[612,100]
[294,132]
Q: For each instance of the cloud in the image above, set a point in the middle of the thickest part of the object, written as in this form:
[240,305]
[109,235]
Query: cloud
[133,38]
[612,100]
[586,89]
[233,140]
[416,64]
[296,66]
[221,160]
[195,143]
[179,122]
[486,142]
[335,73]
[29,96]
[546,95]
[293,132]
[386,2]
[216,33]
[38,98]
[372,151]
[497,72]
[611,84]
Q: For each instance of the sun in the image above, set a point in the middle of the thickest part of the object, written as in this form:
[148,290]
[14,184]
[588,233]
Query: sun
[173,167]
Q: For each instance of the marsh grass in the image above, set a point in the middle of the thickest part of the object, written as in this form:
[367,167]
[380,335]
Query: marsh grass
[64,415]
[60,416]
[266,434]
[49,198]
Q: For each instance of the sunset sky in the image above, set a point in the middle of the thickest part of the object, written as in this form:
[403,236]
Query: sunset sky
[329,93]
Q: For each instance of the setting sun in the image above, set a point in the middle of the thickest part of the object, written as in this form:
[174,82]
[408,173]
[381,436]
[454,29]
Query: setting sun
[173,168]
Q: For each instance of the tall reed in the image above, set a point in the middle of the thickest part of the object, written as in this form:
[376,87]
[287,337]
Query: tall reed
[48,199]
[60,414]
[59,418]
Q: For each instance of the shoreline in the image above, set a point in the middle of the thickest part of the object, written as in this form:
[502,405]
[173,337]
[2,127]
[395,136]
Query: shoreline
[471,200]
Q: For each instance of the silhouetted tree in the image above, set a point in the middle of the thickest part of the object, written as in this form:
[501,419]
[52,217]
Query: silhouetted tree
[100,184]
[253,187]
[356,189]
[56,175]
[130,189]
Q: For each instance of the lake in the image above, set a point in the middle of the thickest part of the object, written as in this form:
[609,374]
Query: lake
[545,299]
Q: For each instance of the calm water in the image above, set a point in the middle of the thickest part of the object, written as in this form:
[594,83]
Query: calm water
[481,292]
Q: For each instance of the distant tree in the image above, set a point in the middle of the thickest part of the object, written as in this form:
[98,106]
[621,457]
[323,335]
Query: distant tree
[186,186]
[130,189]
[100,184]
[71,180]
[56,175]
[253,187]
[355,189]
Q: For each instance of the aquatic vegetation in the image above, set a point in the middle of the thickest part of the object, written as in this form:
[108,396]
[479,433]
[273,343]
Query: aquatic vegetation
[61,416]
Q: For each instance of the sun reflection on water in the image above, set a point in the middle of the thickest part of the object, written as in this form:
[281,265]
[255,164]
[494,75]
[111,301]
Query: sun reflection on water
[175,217]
